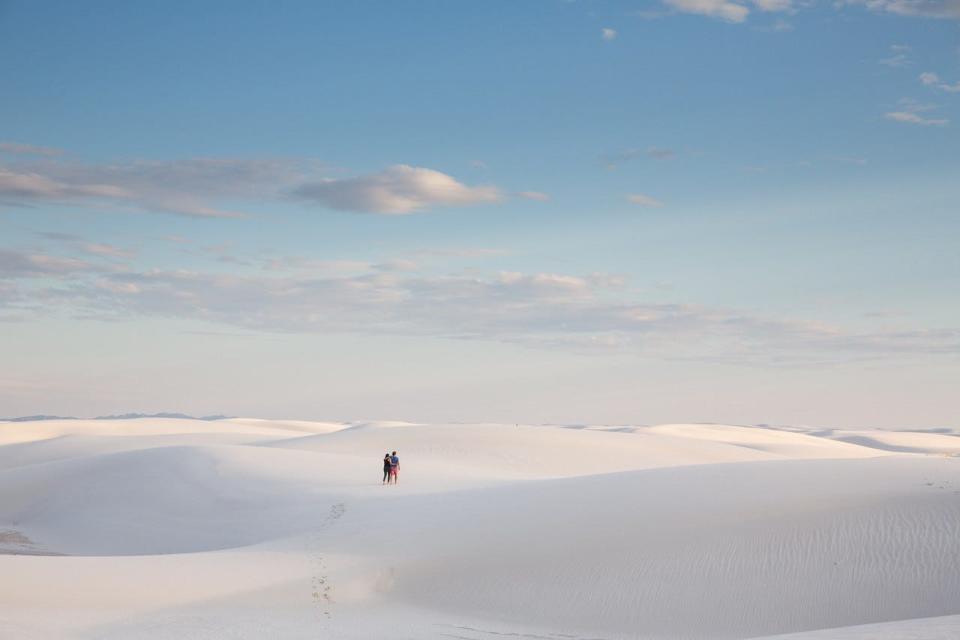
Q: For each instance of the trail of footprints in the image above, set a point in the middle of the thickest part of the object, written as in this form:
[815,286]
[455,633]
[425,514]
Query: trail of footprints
[320,583]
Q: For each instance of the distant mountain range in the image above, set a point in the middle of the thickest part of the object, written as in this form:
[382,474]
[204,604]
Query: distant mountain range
[125,416]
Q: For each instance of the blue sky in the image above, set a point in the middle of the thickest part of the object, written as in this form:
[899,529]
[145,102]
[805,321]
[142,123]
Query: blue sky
[618,212]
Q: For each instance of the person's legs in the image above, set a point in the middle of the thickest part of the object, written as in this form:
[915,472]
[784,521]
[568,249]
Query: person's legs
[386,475]
[393,474]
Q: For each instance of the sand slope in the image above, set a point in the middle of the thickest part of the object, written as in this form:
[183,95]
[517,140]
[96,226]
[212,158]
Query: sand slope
[252,528]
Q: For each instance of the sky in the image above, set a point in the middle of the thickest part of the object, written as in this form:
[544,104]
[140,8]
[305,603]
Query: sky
[575,212]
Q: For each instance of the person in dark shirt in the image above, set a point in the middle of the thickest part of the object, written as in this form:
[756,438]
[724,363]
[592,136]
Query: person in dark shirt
[386,468]
[394,466]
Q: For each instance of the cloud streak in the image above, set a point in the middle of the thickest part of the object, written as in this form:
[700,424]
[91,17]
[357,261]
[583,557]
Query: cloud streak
[722,9]
[914,118]
[397,190]
[727,10]
[911,111]
[534,195]
[199,187]
[539,310]
[19,264]
[945,9]
[617,158]
[930,79]
[899,56]
[190,187]
[643,200]
[29,149]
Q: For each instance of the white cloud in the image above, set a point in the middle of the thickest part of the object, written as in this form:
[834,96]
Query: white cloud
[28,149]
[550,283]
[123,288]
[910,113]
[617,158]
[608,34]
[723,9]
[899,56]
[77,243]
[397,190]
[779,26]
[896,60]
[534,195]
[545,310]
[106,250]
[914,118]
[949,9]
[21,264]
[643,200]
[37,186]
[773,5]
[398,264]
[851,160]
[465,252]
[658,153]
[316,266]
[190,187]
[931,79]
[735,11]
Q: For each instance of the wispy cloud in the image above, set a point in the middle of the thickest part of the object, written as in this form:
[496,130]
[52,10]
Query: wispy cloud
[931,79]
[643,200]
[543,310]
[200,187]
[36,185]
[534,195]
[413,260]
[191,187]
[722,9]
[658,153]
[462,252]
[78,244]
[317,266]
[106,250]
[778,26]
[899,56]
[910,112]
[614,159]
[948,9]
[774,5]
[29,149]
[608,34]
[914,118]
[397,190]
[855,160]
[734,11]
[14,264]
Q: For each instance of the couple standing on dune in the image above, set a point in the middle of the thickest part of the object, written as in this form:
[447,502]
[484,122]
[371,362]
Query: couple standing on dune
[391,466]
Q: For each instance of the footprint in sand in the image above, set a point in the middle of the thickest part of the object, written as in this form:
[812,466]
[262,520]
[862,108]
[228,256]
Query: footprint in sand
[320,583]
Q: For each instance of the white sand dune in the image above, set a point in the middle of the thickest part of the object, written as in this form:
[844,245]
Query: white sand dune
[940,628]
[905,442]
[254,529]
